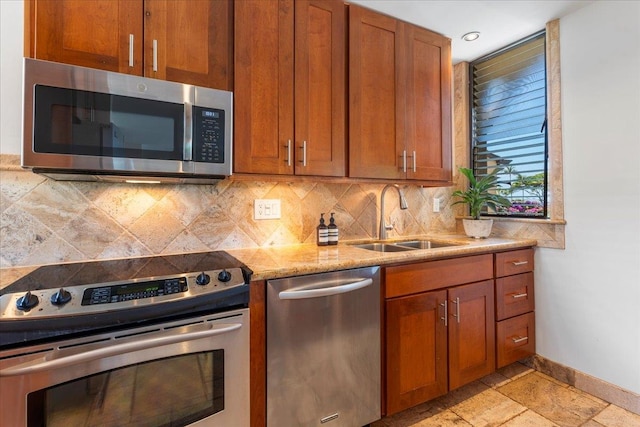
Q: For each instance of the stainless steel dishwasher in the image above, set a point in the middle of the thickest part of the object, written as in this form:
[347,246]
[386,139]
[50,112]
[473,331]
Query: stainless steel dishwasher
[323,349]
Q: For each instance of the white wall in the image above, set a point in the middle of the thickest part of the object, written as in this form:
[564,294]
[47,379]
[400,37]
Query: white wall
[11,52]
[588,296]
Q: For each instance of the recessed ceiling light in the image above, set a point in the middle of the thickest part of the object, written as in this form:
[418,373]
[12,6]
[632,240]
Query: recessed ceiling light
[473,35]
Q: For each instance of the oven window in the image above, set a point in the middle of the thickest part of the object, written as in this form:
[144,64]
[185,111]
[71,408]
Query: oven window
[71,121]
[176,391]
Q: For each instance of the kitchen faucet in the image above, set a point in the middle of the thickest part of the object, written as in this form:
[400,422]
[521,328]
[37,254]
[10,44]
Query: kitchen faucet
[403,205]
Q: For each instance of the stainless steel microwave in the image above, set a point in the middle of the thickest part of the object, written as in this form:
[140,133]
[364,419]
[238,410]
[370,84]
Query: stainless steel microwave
[86,124]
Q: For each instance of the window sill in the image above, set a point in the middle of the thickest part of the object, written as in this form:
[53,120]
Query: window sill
[529,220]
[548,232]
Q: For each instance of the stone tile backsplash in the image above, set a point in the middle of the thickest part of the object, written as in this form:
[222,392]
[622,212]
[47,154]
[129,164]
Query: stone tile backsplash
[44,221]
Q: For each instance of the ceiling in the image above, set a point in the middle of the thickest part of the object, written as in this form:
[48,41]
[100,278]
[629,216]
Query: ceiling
[499,22]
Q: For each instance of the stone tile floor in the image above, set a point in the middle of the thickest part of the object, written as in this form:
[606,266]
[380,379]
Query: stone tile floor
[515,396]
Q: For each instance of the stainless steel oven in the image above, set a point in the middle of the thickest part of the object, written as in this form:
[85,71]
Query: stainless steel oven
[108,362]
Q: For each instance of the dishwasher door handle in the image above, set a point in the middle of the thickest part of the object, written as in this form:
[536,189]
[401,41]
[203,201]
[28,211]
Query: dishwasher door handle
[323,292]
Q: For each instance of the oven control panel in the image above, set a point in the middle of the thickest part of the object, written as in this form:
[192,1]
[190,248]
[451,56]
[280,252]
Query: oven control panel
[132,291]
[121,295]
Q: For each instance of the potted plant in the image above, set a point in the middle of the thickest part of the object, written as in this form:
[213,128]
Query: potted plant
[481,193]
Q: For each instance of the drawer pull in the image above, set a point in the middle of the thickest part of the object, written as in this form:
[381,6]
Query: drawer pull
[519,295]
[519,339]
[517,263]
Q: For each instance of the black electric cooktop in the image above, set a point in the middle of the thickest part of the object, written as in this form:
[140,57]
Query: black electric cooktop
[86,273]
[65,300]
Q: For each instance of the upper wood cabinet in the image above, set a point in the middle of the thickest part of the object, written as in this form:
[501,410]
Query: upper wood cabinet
[399,99]
[184,41]
[290,96]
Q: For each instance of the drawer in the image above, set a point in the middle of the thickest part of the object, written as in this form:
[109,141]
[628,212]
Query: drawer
[514,295]
[516,339]
[514,262]
[429,275]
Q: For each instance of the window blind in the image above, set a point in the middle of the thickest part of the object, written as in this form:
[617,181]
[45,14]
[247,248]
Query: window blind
[508,116]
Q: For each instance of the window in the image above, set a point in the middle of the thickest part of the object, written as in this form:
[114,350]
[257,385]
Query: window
[508,124]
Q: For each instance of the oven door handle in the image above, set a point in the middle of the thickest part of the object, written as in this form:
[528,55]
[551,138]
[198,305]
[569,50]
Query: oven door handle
[310,292]
[58,358]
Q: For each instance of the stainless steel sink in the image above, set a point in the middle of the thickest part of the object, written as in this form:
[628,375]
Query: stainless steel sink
[383,247]
[425,244]
[405,245]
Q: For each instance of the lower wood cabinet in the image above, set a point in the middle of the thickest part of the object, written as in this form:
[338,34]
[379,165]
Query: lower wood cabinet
[438,340]
[516,339]
[416,349]
[450,322]
[472,340]
[515,319]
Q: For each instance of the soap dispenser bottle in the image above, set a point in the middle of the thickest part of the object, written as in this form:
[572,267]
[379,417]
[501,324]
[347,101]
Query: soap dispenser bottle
[323,232]
[333,231]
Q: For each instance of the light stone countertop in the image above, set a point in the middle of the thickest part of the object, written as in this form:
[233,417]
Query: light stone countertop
[293,260]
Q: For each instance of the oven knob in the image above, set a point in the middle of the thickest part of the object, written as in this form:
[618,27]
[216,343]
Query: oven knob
[224,276]
[27,301]
[203,279]
[61,297]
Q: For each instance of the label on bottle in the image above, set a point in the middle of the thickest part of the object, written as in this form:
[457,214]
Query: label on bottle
[333,235]
[323,236]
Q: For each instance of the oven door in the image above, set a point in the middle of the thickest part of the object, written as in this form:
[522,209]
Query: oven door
[192,372]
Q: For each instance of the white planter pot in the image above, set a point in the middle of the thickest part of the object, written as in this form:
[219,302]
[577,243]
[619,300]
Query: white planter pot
[477,228]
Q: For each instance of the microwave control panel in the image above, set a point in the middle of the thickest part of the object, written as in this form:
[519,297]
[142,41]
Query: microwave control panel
[208,135]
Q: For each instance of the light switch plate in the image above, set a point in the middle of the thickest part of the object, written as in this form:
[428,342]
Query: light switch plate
[436,204]
[266,209]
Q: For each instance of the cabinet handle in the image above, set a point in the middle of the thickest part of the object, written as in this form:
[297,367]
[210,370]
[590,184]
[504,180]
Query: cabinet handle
[446,314]
[304,153]
[517,263]
[288,147]
[414,162]
[155,56]
[404,161]
[457,315]
[519,295]
[131,50]
[519,339]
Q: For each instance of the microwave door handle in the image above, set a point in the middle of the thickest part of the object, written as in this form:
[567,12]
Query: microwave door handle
[188,148]
[51,362]
[311,292]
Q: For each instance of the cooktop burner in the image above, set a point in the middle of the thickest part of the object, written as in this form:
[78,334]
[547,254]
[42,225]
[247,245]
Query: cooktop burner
[79,298]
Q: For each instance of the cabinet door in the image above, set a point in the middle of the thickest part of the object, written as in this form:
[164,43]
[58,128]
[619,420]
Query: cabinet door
[263,94]
[376,95]
[320,97]
[189,42]
[472,339]
[99,34]
[428,110]
[416,349]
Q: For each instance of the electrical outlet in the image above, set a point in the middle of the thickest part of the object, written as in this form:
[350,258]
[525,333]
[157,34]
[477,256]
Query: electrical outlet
[266,209]
[436,204]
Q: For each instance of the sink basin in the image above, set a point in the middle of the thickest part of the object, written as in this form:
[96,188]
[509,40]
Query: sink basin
[424,244]
[383,247]
[406,245]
